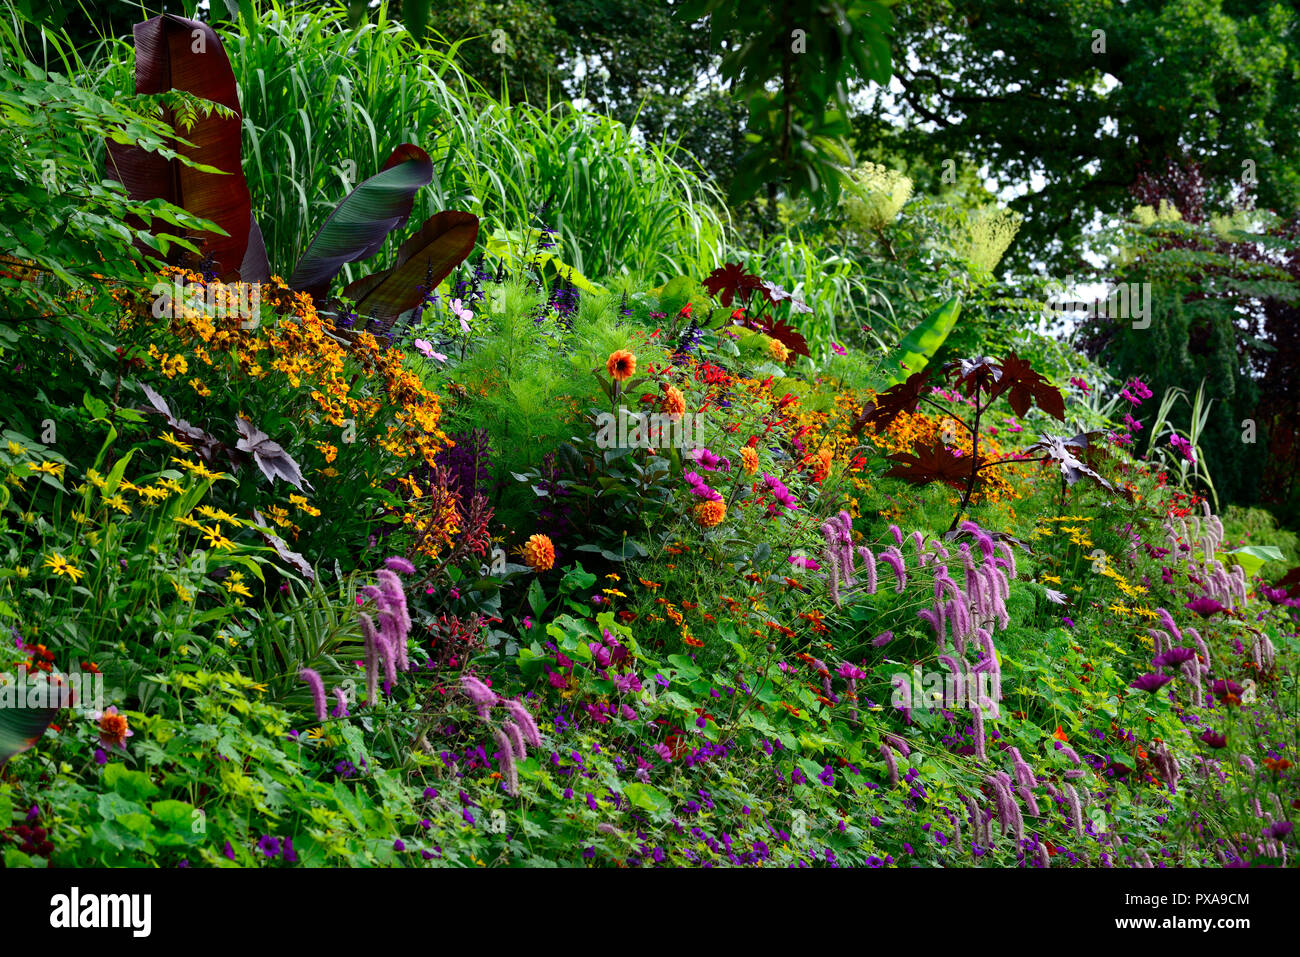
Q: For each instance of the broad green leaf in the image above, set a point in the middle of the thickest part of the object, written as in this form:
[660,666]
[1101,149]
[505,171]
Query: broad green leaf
[646,797]
[1252,558]
[919,346]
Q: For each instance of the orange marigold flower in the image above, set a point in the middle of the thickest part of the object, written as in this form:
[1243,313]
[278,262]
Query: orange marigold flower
[708,514]
[539,553]
[621,365]
[673,403]
[749,460]
[777,350]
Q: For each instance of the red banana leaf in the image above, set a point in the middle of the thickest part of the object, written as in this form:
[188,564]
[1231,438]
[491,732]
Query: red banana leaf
[359,225]
[444,242]
[166,59]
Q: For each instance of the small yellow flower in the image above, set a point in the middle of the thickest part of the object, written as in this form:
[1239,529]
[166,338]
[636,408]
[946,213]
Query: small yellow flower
[119,503]
[200,388]
[1050,578]
[48,468]
[183,593]
[216,539]
[61,566]
[175,442]
[187,522]
[16,450]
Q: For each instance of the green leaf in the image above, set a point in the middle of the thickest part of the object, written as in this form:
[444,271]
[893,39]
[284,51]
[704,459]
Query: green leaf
[919,346]
[536,598]
[130,784]
[1252,558]
[647,798]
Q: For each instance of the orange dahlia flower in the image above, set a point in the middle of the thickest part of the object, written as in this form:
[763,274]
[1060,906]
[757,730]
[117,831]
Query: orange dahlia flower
[621,365]
[776,348]
[539,553]
[749,460]
[673,402]
[708,514]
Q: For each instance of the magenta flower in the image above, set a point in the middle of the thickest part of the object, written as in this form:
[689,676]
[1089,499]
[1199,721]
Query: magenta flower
[1214,739]
[850,672]
[1205,606]
[1172,658]
[1151,682]
[1183,446]
[397,563]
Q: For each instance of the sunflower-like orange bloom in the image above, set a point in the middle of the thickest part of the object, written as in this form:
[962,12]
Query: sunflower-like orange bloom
[749,459]
[539,553]
[708,514]
[776,348]
[621,365]
[673,402]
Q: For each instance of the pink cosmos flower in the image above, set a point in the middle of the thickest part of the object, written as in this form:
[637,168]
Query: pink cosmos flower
[426,347]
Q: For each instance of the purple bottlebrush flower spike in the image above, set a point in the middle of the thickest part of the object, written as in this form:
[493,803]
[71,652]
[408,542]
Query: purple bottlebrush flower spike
[527,725]
[892,557]
[967,560]
[833,579]
[341,709]
[931,617]
[897,533]
[313,681]
[982,538]
[1076,810]
[869,563]
[399,564]
[372,657]
[918,539]
[1167,620]
[1192,671]
[1160,640]
[882,639]
[959,677]
[888,755]
[977,720]
[1200,644]
[516,737]
[897,743]
[508,769]
[479,694]
[1024,773]
[1005,550]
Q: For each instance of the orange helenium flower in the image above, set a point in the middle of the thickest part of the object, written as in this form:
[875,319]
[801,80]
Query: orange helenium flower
[539,553]
[621,365]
